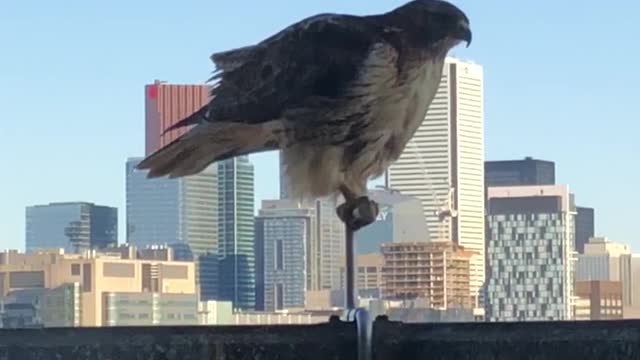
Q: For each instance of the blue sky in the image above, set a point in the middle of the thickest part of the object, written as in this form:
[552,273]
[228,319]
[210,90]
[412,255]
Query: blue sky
[562,84]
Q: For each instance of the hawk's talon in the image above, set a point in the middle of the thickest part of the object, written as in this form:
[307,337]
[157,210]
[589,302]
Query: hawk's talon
[358,213]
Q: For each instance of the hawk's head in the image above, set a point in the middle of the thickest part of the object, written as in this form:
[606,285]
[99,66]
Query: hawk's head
[439,22]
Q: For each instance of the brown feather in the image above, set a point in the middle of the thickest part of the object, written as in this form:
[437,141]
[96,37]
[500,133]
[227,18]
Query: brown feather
[207,143]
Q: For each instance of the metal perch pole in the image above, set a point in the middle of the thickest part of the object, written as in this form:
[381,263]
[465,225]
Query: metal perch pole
[350,269]
[353,313]
[355,213]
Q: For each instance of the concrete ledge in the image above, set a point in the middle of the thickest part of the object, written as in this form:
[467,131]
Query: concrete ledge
[601,340]
[604,340]
[335,341]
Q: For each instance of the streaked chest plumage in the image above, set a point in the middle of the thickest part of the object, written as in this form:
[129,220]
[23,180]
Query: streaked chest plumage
[396,114]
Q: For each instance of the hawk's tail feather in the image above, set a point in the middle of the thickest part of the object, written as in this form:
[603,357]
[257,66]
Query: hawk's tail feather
[196,118]
[201,146]
[202,115]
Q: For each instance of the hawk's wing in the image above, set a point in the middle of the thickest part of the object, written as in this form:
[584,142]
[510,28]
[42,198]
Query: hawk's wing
[316,58]
[300,74]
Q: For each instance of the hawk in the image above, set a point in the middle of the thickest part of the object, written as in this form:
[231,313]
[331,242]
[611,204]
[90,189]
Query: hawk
[339,95]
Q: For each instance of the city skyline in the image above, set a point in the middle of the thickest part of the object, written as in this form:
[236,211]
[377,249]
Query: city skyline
[566,129]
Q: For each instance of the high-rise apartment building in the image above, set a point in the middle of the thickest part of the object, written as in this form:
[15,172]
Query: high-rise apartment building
[73,226]
[283,229]
[529,171]
[443,164]
[165,105]
[435,272]
[236,232]
[172,211]
[530,257]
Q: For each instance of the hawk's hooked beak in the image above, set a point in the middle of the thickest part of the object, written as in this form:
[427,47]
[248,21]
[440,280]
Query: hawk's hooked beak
[463,32]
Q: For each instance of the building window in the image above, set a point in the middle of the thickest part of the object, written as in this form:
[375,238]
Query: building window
[26,279]
[118,270]
[126,316]
[86,278]
[279,254]
[279,296]
[174,272]
[75,269]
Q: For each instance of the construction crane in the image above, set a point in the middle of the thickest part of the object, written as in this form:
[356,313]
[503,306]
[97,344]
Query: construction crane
[446,210]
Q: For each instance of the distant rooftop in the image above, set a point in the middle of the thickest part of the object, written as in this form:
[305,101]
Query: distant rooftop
[58,203]
[526,159]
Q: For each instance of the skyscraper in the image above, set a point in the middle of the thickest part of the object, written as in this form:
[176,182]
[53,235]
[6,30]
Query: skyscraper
[73,226]
[283,229]
[165,105]
[236,232]
[330,247]
[182,211]
[585,227]
[443,164]
[530,260]
[172,211]
[208,273]
[104,226]
[529,171]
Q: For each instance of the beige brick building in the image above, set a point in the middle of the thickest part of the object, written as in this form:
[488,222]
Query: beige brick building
[112,290]
[598,300]
[368,272]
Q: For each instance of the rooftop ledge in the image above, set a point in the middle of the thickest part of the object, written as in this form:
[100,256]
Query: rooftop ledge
[335,340]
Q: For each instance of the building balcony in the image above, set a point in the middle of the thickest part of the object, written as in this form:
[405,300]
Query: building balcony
[602,340]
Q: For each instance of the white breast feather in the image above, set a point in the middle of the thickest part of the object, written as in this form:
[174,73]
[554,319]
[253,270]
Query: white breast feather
[397,116]
[316,171]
